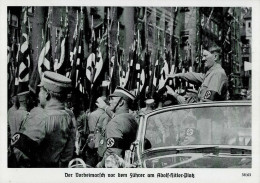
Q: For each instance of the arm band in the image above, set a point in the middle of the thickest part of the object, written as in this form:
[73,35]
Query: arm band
[26,145]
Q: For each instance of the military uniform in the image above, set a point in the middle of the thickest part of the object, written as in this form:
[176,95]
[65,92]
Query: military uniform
[121,129]
[48,138]
[120,133]
[213,83]
[100,134]
[54,133]
[17,117]
[93,119]
[91,156]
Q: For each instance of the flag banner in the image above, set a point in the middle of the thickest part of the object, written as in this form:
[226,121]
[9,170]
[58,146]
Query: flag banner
[163,75]
[124,70]
[45,61]
[91,60]
[114,70]
[12,50]
[125,75]
[101,63]
[61,47]
[128,84]
[77,72]
[24,60]
[90,67]
[97,66]
[100,45]
[73,50]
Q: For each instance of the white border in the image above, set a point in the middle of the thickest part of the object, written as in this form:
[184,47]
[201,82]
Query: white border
[201,175]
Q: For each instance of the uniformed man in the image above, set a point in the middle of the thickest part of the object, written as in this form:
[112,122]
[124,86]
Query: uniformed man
[11,112]
[214,82]
[37,108]
[91,146]
[94,116]
[47,139]
[15,104]
[16,118]
[121,130]
[100,129]
[100,135]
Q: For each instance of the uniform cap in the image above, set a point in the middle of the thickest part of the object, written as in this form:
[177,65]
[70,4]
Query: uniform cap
[125,94]
[22,96]
[55,82]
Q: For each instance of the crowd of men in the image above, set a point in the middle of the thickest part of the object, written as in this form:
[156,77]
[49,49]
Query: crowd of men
[49,134]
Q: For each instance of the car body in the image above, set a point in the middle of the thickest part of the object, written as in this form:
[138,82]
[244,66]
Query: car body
[201,135]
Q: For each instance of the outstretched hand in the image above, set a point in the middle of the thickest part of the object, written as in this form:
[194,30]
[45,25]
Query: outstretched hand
[171,76]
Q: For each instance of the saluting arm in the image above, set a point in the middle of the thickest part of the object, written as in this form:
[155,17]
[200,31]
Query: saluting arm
[192,77]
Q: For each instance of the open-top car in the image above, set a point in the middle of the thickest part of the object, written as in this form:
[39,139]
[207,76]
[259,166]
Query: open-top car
[202,135]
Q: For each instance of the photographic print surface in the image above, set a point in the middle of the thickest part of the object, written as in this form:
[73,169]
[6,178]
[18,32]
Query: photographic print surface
[140,87]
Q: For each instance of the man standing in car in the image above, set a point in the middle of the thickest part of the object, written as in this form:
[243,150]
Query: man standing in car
[214,83]
[121,130]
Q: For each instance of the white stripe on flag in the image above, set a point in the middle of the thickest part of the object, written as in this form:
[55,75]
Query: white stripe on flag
[78,61]
[25,45]
[137,66]
[79,51]
[46,63]
[131,62]
[77,73]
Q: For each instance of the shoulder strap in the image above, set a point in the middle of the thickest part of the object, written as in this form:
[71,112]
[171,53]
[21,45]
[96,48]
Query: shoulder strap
[24,120]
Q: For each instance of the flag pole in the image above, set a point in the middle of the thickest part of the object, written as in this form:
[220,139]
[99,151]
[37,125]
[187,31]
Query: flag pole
[109,54]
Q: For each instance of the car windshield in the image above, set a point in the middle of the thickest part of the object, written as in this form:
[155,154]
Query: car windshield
[227,125]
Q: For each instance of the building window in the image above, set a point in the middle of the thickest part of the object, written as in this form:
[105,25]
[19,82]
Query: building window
[249,24]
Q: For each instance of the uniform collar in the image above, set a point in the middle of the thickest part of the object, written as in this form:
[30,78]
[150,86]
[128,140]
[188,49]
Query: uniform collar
[54,105]
[216,65]
[121,110]
[22,108]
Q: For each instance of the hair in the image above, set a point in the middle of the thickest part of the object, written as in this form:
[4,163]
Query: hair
[33,100]
[59,96]
[214,49]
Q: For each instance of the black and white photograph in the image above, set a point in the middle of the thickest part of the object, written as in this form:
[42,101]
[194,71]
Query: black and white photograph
[164,92]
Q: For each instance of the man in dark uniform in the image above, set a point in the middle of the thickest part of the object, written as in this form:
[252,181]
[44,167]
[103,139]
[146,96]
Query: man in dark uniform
[11,111]
[214,82]
[100,129]
[47,139]
[121,130]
